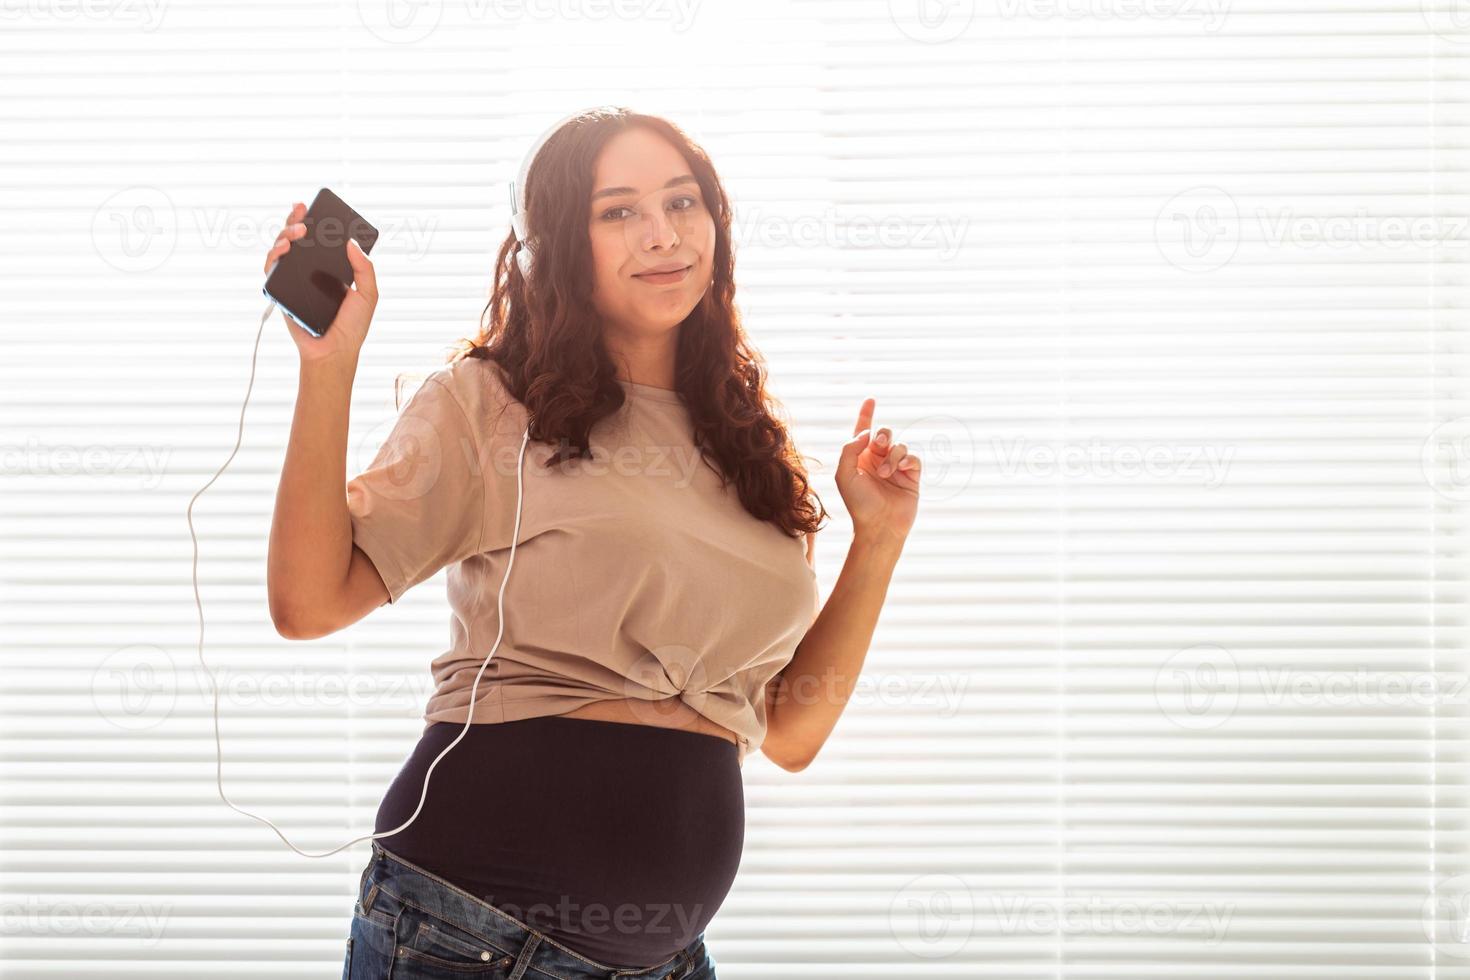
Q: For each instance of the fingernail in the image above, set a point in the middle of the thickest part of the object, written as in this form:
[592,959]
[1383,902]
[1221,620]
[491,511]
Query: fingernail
[882,438]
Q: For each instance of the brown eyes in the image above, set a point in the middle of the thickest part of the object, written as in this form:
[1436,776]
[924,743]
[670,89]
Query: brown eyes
[610,212]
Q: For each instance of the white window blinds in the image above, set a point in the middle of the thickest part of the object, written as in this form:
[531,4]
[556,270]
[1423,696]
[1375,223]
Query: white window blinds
[1168,295]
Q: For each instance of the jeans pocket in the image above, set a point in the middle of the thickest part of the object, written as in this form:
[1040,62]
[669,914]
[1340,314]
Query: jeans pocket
[430,946]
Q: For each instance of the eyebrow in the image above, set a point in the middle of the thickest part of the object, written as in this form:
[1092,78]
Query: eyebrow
[615,191]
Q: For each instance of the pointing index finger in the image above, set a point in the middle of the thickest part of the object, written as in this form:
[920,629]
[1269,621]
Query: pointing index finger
[865,416]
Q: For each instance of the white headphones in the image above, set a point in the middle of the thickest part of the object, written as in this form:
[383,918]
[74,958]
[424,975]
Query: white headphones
[525,254]
[524,257]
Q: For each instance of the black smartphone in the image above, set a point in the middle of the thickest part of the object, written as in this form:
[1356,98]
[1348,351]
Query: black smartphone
[310,281]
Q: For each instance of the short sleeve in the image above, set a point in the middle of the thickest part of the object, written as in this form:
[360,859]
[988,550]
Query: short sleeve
[420,504]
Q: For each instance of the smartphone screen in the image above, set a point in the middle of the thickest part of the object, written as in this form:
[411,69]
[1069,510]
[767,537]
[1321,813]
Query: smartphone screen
[310,281]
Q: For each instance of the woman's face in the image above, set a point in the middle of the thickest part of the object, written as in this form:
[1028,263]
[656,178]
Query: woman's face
[647,213]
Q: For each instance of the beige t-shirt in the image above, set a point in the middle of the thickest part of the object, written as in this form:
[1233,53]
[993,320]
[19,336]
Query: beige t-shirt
[635,575]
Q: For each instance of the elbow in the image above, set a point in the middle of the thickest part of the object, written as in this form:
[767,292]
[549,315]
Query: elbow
[298,613]
[795,765]
[311,617]
[286,627]
[284,616]
[290,624]
[785,756]
[279,619]
[292,629]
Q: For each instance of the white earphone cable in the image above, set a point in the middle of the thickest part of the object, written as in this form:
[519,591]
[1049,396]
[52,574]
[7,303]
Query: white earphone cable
[218,747]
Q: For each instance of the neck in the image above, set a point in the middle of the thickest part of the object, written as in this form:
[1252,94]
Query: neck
[644,359]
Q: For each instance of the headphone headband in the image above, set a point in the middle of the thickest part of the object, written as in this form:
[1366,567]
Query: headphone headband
[517,188]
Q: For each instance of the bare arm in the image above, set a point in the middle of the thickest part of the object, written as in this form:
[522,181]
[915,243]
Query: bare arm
[774,747]
[317,580]
[879,482]
[805,700]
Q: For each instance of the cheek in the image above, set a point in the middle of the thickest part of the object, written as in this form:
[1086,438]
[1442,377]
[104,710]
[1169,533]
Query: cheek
[707,238]
[605,263]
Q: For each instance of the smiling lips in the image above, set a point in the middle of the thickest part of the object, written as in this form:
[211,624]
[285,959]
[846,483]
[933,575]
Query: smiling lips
[662,278]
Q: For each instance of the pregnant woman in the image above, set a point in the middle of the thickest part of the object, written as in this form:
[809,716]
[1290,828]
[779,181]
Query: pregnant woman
[661,620]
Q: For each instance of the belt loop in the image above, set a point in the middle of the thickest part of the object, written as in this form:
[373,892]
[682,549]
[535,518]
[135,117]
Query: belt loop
[362,879]
[689,964]
[523,961]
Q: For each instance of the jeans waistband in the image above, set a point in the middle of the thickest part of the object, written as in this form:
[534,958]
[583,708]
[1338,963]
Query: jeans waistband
[536,955]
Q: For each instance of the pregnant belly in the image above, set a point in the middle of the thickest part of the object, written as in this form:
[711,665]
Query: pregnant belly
[618,840]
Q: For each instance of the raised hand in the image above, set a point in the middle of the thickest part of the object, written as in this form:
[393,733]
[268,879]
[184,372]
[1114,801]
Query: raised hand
[344,338]
[879,481]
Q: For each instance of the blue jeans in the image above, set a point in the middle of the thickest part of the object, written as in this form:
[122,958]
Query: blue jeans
[409,924]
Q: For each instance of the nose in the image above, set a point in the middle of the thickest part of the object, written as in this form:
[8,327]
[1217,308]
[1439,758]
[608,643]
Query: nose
[659,232]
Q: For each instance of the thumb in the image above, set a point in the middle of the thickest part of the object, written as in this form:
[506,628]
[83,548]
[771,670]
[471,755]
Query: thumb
[362,271]
[851,450]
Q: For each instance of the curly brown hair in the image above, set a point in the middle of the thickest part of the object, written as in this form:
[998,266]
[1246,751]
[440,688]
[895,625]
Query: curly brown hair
[546,336]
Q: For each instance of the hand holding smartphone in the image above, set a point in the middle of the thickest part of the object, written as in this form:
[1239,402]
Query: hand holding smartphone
[311,271]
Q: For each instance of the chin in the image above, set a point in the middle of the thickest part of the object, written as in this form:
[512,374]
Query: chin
[666,322]
[667,316]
